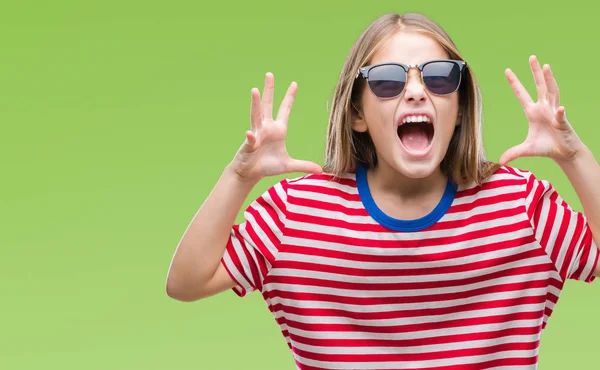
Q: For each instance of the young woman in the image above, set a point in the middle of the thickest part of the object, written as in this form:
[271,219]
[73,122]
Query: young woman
[408,249]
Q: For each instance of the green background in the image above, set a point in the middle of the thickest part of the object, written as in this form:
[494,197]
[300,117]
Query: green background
[118,117]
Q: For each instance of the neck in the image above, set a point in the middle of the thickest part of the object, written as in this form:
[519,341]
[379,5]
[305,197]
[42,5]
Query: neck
[386,179]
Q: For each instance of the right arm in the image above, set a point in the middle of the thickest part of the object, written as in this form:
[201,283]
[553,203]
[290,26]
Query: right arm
[196,271]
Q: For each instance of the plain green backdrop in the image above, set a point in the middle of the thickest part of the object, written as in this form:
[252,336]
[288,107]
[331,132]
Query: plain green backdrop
[118,117]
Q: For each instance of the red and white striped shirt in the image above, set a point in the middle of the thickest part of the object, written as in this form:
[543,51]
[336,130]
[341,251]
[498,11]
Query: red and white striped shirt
[469,286]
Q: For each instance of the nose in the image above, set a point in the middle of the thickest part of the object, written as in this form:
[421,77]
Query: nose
[414,89]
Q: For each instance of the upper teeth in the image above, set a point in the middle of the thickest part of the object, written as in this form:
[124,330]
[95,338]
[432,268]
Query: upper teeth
[416,119]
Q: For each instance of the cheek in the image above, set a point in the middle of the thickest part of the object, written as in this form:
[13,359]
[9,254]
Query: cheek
[451,104]
[378,112]
[448,112]
[369,104]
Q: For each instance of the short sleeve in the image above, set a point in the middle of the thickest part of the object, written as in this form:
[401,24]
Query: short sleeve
[564,233]
[253,245]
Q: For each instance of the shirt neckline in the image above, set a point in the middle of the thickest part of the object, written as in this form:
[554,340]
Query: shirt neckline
[398,224]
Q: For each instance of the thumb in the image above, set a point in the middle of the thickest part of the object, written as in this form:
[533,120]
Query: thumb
[561,115]
[513,153]
[296,165]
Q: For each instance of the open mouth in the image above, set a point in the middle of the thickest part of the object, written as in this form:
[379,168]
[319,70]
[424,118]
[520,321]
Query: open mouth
[416,133]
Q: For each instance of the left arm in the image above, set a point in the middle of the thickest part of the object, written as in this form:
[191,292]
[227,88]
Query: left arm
[584,174]
[551,135]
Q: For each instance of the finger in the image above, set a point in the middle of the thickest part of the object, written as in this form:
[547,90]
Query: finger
[518,88]
[561,115]
[538,77]
[553,91]
[513,153]
[267,102]
[251,139]
[295,165]
[288,101]
[255,112]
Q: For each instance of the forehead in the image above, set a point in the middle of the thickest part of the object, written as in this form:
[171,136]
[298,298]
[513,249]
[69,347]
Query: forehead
[409,48]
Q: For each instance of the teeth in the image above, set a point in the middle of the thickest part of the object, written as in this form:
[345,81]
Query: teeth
[416,119]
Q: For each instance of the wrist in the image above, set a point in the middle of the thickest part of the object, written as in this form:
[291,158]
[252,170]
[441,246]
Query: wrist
[239,179]
[580,154]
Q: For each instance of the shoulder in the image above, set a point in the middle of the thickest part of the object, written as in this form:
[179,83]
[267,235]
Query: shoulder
[321,187]
[307,184]
[506,179]
[509,173]
[322,180]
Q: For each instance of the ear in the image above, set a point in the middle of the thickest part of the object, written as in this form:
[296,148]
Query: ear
[359,124]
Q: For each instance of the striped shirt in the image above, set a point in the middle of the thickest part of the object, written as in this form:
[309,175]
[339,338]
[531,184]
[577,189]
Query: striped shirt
[469,286]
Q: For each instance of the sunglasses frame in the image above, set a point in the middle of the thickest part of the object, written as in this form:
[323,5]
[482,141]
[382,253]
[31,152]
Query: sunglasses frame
[364,71]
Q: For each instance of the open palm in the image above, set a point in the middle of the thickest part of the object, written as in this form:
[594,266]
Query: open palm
[550,134]
[264,152]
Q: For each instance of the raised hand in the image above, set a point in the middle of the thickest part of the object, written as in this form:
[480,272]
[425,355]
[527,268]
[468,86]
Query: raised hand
[550,134]
[263,153]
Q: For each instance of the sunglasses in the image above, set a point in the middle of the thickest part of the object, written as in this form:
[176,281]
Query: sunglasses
[387,80]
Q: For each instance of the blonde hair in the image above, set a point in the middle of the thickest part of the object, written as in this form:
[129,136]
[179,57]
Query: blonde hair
[465,160]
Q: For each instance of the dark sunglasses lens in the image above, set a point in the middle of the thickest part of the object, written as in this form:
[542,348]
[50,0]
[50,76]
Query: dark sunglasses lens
[441,78]
[387,81]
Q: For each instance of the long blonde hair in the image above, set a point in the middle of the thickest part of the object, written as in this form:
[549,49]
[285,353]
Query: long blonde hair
[465,160]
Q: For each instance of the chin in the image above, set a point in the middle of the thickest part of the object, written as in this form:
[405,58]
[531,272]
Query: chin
[419,166]
[418,171]
[414,166]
